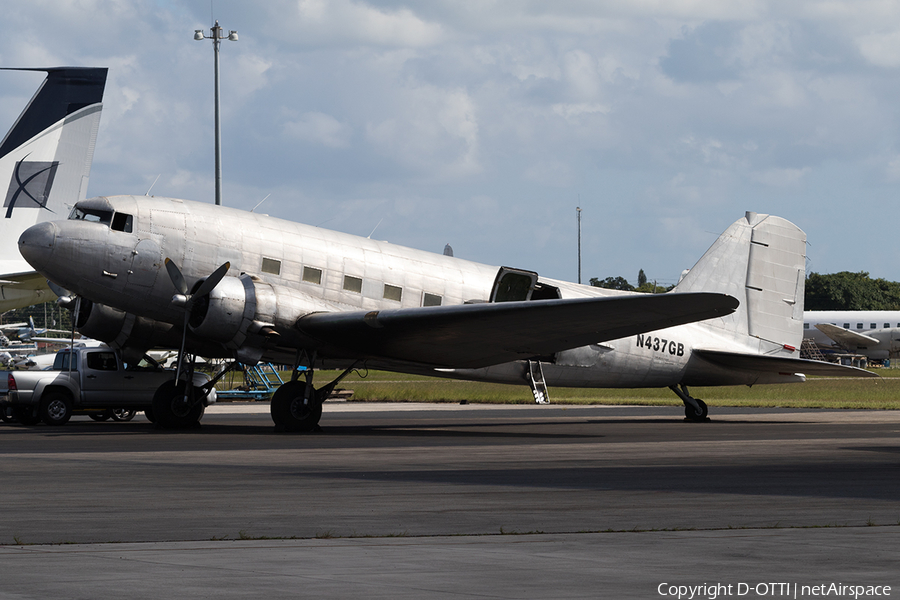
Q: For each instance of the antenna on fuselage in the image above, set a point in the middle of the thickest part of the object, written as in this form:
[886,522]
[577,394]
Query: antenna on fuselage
[152,184]
[260,202]
[373,231]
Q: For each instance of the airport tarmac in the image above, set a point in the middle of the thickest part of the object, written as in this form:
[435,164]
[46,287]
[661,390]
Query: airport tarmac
[440,501]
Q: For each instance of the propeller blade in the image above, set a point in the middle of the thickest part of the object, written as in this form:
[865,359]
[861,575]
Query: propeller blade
[176,277]
[212,281]
[58,290]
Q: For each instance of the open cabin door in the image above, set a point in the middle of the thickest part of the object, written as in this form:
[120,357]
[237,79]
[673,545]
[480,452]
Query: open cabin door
[513,285]
[518,285]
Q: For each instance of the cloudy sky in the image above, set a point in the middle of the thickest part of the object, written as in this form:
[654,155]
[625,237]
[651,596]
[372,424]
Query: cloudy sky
[484,123]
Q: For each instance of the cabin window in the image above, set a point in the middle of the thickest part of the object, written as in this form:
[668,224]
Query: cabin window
[806,326]
[887,325]
[270,265]
[431,300]
[392,292]
[122,222]
[846,325]
[859,325]
[312,275]
[871,325]
[353,284]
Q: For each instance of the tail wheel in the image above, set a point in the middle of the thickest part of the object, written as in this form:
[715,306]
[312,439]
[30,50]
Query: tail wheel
[56,409]
[292,410]
[175,409]
[692,414]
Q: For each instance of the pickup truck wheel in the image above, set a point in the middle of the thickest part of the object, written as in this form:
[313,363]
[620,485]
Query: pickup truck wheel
[103,415]
[123,414]
[26,416]
[172,410]
[56,409]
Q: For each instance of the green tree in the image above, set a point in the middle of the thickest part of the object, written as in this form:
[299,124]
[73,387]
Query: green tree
[612,283]
[642,279]
[850,291]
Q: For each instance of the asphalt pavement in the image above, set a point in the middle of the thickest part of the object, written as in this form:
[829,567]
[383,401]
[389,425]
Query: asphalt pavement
[441,501]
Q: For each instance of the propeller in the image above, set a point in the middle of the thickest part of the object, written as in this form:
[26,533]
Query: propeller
[183,298]
[65,296]
[186,300]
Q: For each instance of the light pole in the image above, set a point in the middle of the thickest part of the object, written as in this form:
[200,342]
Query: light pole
[216,36]
[578,214]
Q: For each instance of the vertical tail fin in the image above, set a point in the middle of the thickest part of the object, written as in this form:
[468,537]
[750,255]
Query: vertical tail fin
[45,163]
[760,260]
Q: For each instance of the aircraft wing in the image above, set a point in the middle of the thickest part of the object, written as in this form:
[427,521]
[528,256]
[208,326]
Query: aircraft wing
[779,364]
[13,325]
[480,335]
[845,337]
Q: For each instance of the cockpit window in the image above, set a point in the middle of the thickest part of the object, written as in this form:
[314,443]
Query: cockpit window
[122,222]
[116,221]
[92,215]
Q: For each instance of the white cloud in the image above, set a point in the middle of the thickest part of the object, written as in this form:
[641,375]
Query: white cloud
[329,21]
[881,49]
[781,177]
[319,128]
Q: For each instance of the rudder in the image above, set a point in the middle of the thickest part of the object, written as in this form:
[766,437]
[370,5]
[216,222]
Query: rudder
[761,261]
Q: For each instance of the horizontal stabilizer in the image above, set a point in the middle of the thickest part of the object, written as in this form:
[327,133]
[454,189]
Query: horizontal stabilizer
[845,337]
[778,364]
[480,335]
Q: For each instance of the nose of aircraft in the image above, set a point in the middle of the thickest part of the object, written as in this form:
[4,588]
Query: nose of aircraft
[37,242]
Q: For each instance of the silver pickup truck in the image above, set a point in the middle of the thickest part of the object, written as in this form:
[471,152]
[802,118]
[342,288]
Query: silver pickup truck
[86,378]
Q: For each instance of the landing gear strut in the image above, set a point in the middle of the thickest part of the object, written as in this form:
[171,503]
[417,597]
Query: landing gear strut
[694,409]
[297,405]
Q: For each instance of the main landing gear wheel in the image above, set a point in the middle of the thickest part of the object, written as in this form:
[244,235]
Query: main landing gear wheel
[171,410]
[292,410]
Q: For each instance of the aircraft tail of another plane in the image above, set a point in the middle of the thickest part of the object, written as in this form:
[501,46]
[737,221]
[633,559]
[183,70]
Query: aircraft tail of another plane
[45,159]
[761,261]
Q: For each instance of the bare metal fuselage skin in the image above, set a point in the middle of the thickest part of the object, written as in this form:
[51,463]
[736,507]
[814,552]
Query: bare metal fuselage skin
[294,270]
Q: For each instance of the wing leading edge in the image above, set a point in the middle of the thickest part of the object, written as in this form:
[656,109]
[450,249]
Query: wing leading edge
[480,335]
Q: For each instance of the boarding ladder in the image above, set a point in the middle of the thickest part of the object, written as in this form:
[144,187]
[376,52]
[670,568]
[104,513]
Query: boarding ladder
[809,349]
[536,382]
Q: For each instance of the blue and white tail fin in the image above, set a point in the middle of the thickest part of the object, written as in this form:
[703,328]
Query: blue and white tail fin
[45,163]
[761,261]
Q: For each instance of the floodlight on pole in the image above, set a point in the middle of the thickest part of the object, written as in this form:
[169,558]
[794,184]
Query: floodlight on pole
[216,35]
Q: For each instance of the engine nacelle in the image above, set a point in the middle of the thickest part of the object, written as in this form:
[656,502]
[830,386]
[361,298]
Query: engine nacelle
[226,311]
[98,321]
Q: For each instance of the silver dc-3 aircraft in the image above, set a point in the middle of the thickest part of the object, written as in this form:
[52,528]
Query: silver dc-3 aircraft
[253,287]
[46,159]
